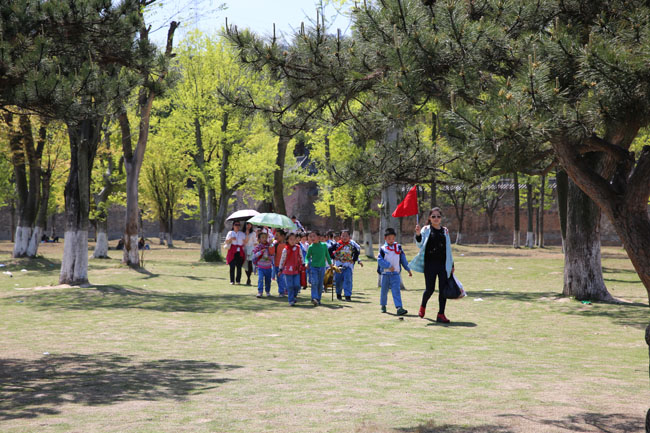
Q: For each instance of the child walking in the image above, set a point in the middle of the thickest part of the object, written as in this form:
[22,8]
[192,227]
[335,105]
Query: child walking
[345,255]
[263,259]
[290,266]
[390,261]
[276,251]
[315,260]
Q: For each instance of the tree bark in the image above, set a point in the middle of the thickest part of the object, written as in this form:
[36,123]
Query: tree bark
[583,276]
[540,218]
[562,191]
[84,138]
[367,238]
[490,221]
[24,153]
[516,242]
[41,218]
[647,341]
[133,158]
[278,174]
[530,236]
[101,244]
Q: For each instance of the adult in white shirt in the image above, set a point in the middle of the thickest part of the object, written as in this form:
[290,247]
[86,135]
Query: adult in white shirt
[235,240]
[249,244]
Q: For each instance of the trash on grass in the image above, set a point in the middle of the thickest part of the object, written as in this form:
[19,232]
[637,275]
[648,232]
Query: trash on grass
[23,270]
[478,299]
[586,302]
[8,273]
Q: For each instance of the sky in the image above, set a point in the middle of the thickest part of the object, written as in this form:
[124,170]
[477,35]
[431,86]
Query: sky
[258,15]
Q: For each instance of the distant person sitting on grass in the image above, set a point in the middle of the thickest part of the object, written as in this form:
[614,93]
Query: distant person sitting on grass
[390,261]
[316,260]
[290,267]
[263,259]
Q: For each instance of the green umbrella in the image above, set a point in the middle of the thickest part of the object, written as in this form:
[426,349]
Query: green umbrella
[274,220]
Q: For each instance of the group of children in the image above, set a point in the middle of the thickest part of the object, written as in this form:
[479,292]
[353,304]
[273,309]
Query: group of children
[296,259]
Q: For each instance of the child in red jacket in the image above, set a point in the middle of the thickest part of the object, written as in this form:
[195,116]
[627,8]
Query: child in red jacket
[290,267]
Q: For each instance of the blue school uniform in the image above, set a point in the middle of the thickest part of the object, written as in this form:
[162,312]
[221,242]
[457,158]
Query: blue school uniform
[345,256]
[391,256]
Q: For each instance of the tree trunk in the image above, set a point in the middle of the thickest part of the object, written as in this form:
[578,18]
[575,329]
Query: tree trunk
[84,138]
[516,242]
[540,219]
[562,191]
[278,174]
[12,209]
[41,219]
[459,236]
[131,256]
[367,238]
[583,277]
[101,245]
[356,235]
[162,231]
[647,341]
[24,153]
[389,202]
[490,218]
[530,236]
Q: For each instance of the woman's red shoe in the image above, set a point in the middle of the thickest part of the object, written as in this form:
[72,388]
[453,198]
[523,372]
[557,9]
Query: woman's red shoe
[421,312]
[442,319]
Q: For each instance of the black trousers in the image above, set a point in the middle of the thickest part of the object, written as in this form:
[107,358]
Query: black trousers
[433,270]
[236,264]
[249,269]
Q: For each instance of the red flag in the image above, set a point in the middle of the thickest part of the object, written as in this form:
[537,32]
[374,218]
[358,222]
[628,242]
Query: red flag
[408,206]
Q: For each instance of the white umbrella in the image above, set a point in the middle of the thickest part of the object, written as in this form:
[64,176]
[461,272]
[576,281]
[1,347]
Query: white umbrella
[243,214]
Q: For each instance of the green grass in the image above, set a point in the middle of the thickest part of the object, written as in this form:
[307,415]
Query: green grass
[177,349]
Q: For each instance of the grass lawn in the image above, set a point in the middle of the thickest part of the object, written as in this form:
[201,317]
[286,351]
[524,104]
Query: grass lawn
[178,349]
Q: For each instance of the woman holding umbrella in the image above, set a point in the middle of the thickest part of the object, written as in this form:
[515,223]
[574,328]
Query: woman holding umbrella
[235,240]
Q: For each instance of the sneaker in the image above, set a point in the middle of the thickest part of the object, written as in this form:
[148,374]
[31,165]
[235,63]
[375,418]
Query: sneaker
[268,294]
[348,298]
[248,282]
[383,308]
[232,283]
[318,302]
[339,297]
[421,312]
[314,302]
[401,311]
[442,319]
[291,304]
[259,295]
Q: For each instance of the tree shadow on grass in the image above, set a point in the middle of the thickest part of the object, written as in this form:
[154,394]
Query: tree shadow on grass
[633,314]
[588,421]
[126,297]
[432,427]
[32,388]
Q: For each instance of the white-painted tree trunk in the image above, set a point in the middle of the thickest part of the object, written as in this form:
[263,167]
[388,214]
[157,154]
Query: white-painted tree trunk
[21,242]
[367,243]
[170,241]
[490,238]
[74,266]
[530,239]
[101,246]
[516,241]
[356,235]
[35,241]
[161,238]
[459,238]
[131,255]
